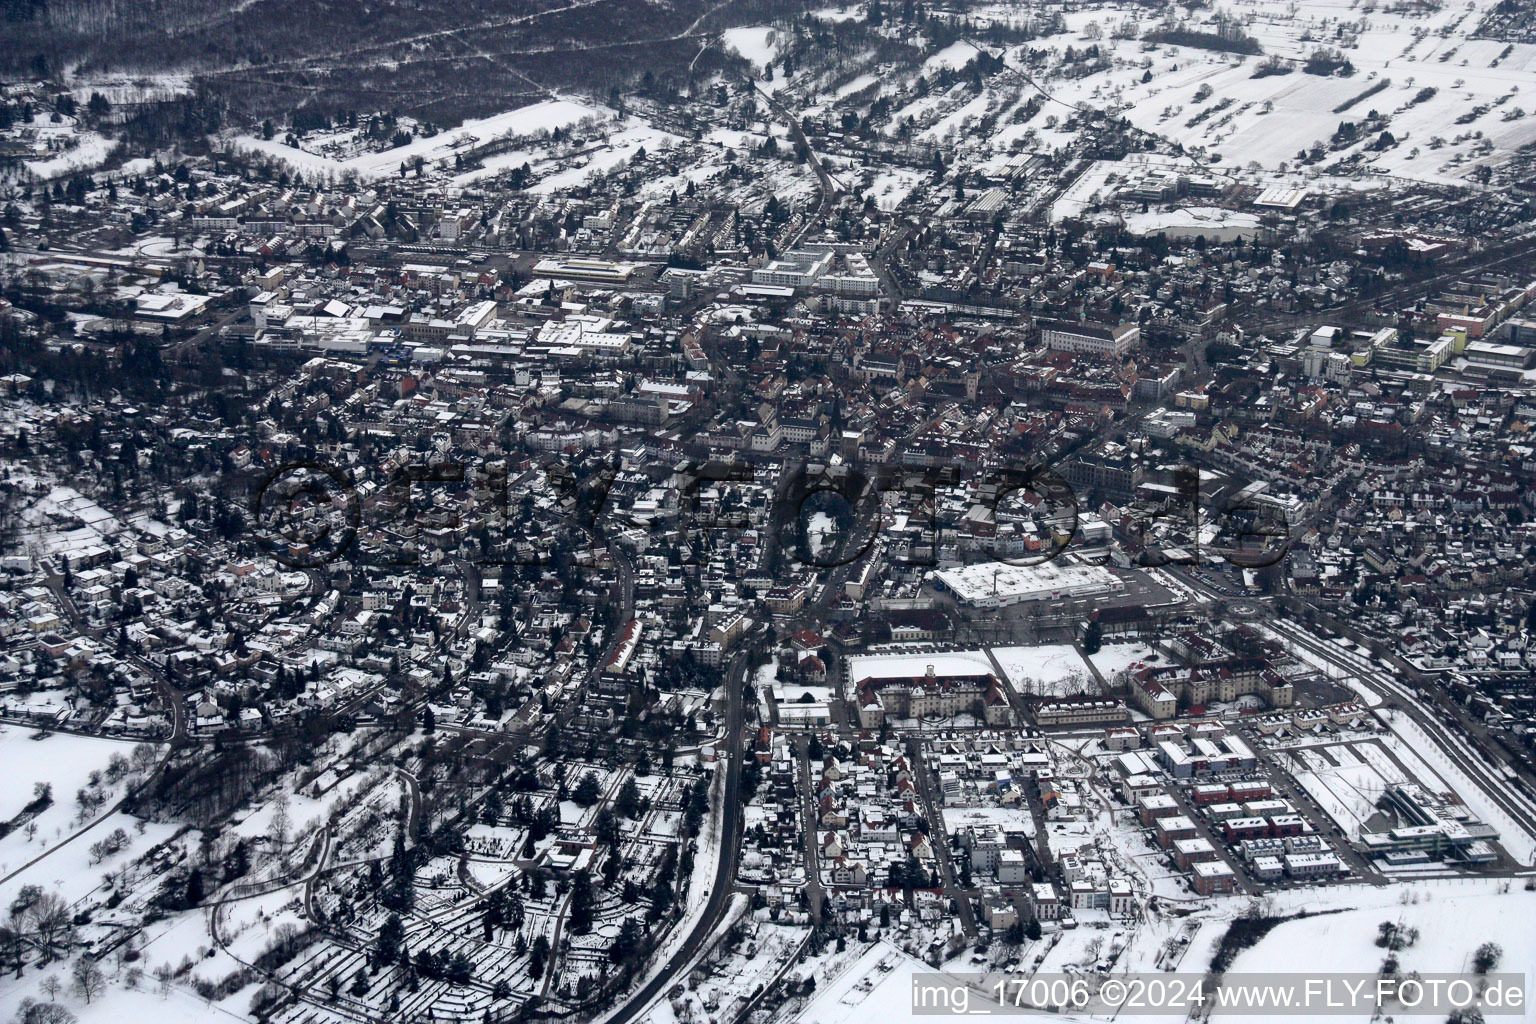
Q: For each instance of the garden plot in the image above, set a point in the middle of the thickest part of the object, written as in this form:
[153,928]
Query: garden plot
[618,149]
[76,869]
[64,520]
[1210,103]
[891,188]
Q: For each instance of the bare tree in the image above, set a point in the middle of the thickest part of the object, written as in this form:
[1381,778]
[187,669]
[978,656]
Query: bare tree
[49,925]
[88,979]
[33,1012]
[280,824]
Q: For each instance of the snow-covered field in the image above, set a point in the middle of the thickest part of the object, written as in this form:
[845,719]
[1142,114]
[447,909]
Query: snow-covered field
[524,121]
[1114,658]
[67,763]
[621,147]
[1051,670]
[1453,917]
[1347,790]
[89,150]
[891,188]
[915,662]
[758,44]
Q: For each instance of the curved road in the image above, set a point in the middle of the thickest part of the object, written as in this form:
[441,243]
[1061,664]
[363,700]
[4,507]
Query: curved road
[725,870]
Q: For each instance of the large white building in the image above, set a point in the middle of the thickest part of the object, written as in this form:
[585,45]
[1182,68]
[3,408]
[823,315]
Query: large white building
[798,268]
[856,278]
[581,268]
[999,585]
[1089,339]
[585,333]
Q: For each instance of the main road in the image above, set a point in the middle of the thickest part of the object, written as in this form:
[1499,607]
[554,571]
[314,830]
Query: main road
[1445,735]
[721,890]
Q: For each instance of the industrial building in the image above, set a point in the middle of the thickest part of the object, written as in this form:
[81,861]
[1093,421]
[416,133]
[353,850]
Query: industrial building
[1001,585]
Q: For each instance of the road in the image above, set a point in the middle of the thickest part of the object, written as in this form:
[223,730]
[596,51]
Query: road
[829,188]
[938,838]
[1450,742]
[170,696]
[721,889]
[809,832]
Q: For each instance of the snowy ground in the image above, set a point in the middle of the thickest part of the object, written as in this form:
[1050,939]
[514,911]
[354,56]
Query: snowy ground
[1052,670]
[1341,783]
[757,44]
[914,661]
[1011,819]
[68,762]
[524,121]
[876,987]
[1416,750]
[1269,119]
[1453,917]
[1114,658]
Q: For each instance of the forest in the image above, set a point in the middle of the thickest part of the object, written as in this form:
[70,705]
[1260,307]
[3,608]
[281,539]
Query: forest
[437,60]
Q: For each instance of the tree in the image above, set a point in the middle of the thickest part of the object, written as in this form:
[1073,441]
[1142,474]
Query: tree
[428,722]
[277,829]
[30,1011]
[1487,957]
[627,802]
[587,790]
[195,888]
[538,957]
[626,945]
[88,979]
[391,935]
[1093,638]
[608,832]
[582,903]
[47,920]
